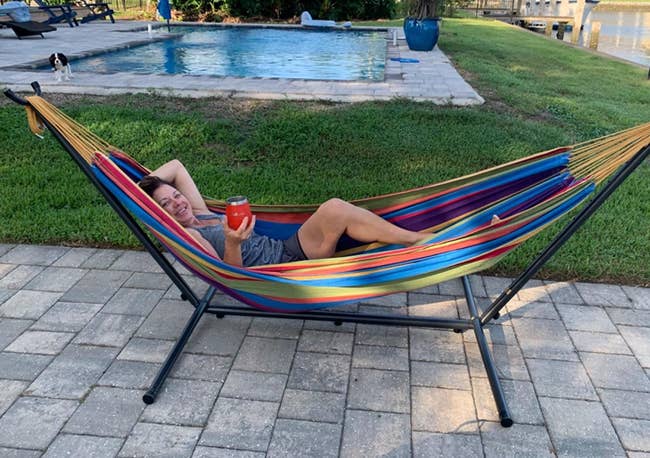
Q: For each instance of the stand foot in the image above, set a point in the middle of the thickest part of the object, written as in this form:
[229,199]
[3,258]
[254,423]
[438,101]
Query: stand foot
[220,315]
[506,422]
[148,398]
[497,315]
[183,296]
[338,323]
[458,331]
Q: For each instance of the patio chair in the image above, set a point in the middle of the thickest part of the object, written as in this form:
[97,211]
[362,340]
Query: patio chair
[96,11]
[21,22]
[527,195]
[58,13]
[28,28]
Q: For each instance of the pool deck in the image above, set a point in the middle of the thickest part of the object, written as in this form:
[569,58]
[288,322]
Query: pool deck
[432,79]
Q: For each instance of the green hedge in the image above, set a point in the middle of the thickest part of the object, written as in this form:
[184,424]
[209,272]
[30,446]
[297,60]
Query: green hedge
[286,9]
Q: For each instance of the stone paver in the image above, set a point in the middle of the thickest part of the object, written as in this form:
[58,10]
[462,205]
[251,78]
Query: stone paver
[19,276]
[633,433]
[384,391]
[22,366]
[73,372]
[442,410]
[582,318]
[258,386]
[436,346]
[580,428]
[545,339]
[562,379]
[640,297]
[376,434]
[315,371]
[40,342]
[522,441]
[572,359]
[616,371]
[304,438]
[87,446]
[35,255]
[122,407]
[428,445]
[631,404]
[33,423]
[639,341]
[168,441]
[10,390]
[603,295]
[267,355]
[67,317]
[240,423]
[312,405]
[56,279]
[28,304]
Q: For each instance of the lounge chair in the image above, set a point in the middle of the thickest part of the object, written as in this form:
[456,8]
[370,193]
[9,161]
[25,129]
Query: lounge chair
[58,13]
[21,22]
[29,28]
[307,21]
[96,11]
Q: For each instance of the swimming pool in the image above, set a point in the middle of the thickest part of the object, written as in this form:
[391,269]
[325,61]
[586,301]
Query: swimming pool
[253,52]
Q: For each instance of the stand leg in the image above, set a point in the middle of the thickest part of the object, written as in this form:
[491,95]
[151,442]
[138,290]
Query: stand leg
[150,396]
[488,361]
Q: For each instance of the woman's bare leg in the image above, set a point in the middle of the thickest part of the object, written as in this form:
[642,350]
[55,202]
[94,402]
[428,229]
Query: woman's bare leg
[321,232]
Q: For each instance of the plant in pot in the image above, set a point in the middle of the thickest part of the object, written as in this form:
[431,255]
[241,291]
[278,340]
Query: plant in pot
[421,26]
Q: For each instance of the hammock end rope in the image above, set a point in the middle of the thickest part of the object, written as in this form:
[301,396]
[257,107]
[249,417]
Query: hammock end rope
[35,123]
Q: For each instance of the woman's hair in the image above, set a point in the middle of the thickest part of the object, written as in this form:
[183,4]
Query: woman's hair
[150,183]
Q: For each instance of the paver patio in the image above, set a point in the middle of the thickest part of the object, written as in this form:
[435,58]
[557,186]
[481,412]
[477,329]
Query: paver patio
[83,332]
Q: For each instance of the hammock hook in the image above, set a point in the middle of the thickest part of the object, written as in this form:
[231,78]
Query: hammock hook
[36,125]
[37,88]
[13,96]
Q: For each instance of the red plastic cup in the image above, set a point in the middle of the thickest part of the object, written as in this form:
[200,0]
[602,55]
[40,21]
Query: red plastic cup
[237,208]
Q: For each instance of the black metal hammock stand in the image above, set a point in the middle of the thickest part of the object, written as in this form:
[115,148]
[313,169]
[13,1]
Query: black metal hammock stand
[540,189]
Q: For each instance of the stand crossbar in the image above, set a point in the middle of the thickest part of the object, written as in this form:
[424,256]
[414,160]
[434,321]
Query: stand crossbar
[476,322]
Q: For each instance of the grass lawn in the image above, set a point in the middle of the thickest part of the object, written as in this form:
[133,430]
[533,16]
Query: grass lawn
[540,94]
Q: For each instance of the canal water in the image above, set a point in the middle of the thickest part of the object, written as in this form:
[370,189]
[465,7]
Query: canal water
[624,34]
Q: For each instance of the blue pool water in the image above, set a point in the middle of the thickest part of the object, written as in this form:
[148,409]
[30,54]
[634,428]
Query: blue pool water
[253,52]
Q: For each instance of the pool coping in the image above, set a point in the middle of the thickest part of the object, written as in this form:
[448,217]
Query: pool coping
[432,79]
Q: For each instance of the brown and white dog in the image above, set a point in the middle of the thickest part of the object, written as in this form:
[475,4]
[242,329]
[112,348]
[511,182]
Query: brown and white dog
[61,67]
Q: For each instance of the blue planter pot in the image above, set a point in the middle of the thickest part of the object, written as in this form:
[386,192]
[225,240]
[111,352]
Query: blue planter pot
[421,34]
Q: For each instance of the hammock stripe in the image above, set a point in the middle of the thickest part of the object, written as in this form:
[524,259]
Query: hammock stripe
[475,220]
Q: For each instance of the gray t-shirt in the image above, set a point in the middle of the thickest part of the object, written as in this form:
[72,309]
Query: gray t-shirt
[257,250]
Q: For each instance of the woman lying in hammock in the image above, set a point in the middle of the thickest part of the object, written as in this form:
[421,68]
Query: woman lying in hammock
[172,187]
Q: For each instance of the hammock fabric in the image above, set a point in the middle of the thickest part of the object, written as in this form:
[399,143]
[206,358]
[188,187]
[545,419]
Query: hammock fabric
[475,220]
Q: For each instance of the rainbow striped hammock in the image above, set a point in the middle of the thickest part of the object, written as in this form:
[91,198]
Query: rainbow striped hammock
[475,220]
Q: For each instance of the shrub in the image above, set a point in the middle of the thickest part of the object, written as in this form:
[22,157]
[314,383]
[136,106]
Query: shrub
[192,10]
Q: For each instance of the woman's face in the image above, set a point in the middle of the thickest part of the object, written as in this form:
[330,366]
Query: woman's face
[175,203]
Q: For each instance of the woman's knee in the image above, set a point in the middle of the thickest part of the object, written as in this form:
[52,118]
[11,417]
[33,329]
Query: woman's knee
[334,207]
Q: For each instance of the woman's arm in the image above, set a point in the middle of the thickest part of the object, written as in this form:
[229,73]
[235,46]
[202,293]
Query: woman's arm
[175,173]
[233,240]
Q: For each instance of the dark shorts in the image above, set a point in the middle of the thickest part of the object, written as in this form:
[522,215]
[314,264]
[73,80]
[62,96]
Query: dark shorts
[292,250]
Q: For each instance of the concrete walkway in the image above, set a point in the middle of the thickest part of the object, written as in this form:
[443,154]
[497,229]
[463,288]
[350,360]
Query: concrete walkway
[83,332]
[432,79]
